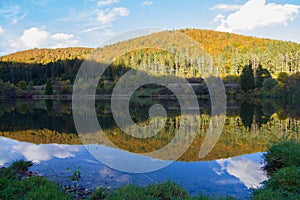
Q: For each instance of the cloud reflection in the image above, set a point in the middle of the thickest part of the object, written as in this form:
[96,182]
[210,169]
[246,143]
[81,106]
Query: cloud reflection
[246,170]
[14,150]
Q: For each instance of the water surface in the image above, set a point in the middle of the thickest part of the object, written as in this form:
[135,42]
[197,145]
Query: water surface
[44,132]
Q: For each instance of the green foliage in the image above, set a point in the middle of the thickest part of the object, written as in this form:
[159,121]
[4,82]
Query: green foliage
[98,194]
[247,78]
[261,75]
[167,190]
[287,179]
[231,79]
[291,86]
[269,84]
[76,175]
[160,191]
[31,83]
[20,166]
[281,77]
[22,85]
[13,187]
[283,154]
[283,165]
[267,194]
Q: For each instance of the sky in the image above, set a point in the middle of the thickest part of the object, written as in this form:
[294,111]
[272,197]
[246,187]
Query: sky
[26,24]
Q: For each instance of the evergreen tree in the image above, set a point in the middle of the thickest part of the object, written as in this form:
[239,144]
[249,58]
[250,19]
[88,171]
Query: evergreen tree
[247,78]
[49,89]
[261,75]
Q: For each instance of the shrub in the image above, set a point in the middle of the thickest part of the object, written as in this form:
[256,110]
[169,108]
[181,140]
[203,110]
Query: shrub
[167,190]
[13,187]
[287,179]
[282,76]
[284,184]
[283,165]
[284,154]
[267,194]
[98,194]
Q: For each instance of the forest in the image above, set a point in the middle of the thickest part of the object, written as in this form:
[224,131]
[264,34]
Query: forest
[262,67]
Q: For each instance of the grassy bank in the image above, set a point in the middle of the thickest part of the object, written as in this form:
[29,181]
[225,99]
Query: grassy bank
[16,183]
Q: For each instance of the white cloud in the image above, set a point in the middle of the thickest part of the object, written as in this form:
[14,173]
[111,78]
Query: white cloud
[121,11]
[107,2]
[147,3]
[17,19]
[63,40]
[226,7]
[219,18]
[14,13]
[36,37]
[93,29]
[1,30]
[62,36]
[254,14]
[246,170]
[10,12]
[105,17]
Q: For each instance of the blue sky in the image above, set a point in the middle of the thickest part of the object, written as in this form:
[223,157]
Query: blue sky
[26,24]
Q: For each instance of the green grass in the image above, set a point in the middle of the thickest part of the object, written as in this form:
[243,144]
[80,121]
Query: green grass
[161,191]
[14,185]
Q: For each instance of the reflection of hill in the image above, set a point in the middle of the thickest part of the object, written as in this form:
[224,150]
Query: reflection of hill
[43,136]
[52,122]
[28,115]
[235,140]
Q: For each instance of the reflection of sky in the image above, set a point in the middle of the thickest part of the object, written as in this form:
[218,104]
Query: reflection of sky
[245,169]
[125,161]
[232,176]
[13,150]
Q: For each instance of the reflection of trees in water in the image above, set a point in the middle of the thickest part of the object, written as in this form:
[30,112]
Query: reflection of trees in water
[49,106]
[256,114]
[262,127]
[246,114]
[26,115]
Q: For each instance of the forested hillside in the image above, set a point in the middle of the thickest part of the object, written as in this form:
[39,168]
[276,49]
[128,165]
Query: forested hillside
[230,53]
[45,56]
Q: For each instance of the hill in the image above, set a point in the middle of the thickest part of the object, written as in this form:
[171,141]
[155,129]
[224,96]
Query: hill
[230,52]
[45,56]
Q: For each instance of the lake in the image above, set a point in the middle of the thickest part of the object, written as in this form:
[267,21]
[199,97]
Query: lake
[44,132]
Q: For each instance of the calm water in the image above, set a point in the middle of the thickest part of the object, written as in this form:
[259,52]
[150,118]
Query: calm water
[44,132]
